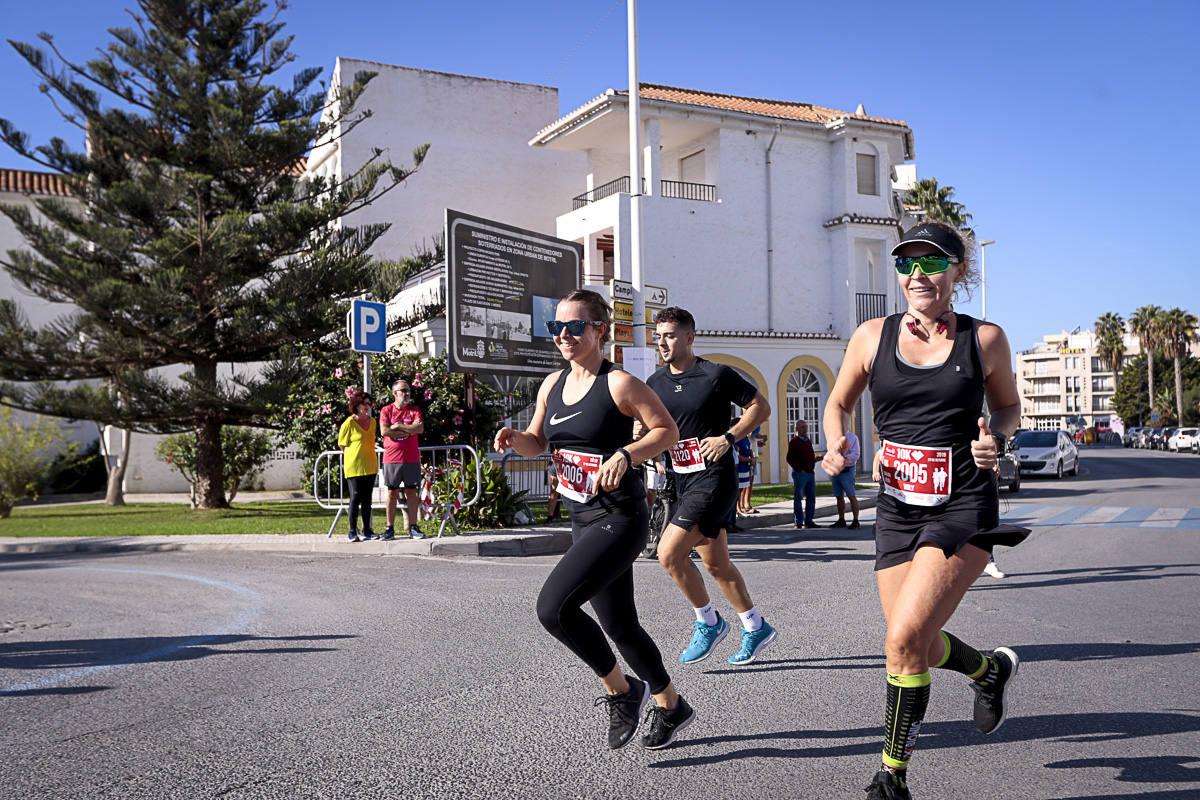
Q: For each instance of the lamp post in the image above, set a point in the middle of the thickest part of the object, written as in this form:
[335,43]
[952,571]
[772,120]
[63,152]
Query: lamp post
[635,178]
[983,272]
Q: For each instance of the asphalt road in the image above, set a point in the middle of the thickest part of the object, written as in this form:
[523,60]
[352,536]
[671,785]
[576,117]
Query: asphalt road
[257,675]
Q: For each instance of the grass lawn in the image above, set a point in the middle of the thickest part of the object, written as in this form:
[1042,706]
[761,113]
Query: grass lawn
[164,519]
[776,492]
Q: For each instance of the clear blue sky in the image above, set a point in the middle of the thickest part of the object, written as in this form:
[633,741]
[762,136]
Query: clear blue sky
[1065,127]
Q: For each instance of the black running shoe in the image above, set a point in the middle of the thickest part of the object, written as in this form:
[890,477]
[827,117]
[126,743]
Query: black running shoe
[625,711]
[992,697]
[388,534]
[888,786]
[666,723]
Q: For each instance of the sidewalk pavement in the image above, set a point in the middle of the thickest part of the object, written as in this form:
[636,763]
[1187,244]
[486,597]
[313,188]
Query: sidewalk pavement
[532,540]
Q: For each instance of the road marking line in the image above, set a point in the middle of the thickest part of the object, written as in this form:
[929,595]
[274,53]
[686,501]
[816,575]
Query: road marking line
[1135,514]
[1101,515]
[245,616]
[1165,518]
[1191,520]
[1065,517]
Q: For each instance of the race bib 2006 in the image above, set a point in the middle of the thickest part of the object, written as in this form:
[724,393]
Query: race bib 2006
[918,476]
[578,474]
[685,456]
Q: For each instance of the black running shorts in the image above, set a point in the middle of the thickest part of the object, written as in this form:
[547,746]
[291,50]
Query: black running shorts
[900,530]
[705,499]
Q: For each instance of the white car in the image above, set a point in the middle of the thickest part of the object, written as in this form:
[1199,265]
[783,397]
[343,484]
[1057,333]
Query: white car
[1046,453]
[1182,440]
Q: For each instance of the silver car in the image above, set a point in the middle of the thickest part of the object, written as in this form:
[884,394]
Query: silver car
[1046,453]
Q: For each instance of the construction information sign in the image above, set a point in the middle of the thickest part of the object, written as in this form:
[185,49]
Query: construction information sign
[503,284]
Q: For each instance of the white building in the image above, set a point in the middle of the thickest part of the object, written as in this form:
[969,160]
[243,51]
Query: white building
[1063,381]
[771,221]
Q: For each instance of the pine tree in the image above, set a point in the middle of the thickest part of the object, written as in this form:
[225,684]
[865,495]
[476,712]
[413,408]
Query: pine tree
[194,240]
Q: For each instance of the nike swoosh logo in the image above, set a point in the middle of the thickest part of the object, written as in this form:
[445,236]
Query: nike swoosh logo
[554,420]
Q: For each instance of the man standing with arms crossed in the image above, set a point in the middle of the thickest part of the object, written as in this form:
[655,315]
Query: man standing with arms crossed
[697,393]
[802,460]
[400,423]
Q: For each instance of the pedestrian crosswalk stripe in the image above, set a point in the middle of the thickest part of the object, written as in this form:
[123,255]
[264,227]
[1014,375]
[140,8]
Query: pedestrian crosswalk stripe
[1101,515]
[1165,518]
[1138,514]
[1065,516]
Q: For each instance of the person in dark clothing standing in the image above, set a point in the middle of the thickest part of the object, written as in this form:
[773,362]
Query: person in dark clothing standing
[803,462]
[586,414]
[937,518]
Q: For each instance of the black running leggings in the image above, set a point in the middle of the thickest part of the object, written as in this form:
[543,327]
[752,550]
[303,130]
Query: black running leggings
[598,567]
[361,489]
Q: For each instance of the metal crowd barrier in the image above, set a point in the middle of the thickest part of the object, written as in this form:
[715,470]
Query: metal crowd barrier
[528,475]
[329,488]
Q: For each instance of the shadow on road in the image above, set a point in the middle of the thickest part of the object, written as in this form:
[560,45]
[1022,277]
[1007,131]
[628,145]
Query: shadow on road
[781,664]
[1102,651]
[819,554]
[60,690]
[1070,577]
[76,653]
[940,735]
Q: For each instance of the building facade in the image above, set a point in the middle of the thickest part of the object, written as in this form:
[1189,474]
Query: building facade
[771,221]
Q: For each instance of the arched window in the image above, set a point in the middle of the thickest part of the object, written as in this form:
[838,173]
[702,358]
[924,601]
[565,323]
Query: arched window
[804,401]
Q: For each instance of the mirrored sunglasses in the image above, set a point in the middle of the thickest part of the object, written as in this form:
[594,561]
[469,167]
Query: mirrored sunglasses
[930,265]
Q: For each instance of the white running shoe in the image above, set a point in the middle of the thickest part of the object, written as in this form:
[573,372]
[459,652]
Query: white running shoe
[993,570]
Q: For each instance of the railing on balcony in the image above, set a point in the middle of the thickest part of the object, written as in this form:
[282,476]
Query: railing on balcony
[682,190]
[870,306]
[690,191]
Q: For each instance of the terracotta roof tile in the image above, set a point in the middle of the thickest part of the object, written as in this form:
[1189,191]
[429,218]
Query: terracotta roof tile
[24,181]
[782,109]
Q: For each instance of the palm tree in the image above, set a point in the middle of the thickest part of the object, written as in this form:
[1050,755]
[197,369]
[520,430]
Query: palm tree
[1177,329]
[937,203]
[1142,325]
[1110,342]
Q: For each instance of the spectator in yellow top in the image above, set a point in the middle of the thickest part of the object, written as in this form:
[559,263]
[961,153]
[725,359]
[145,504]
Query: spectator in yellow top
[356,438]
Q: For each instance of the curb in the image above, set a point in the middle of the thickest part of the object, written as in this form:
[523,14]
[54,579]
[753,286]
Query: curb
[530,542]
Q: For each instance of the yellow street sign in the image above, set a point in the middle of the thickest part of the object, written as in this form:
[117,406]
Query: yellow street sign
[622,312]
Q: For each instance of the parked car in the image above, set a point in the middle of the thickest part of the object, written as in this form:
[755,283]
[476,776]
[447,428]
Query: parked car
[1131,436]
[1010,472]
[1046,453]
[1182,440]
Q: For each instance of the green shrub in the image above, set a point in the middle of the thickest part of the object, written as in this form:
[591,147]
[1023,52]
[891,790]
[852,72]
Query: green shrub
[27,449]
[246,452]
[78,472]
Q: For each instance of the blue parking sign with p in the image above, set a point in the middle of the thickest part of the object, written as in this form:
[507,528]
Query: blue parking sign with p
[368,326]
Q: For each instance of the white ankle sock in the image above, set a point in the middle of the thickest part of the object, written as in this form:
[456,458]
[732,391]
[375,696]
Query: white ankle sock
[751,620]
[706,615]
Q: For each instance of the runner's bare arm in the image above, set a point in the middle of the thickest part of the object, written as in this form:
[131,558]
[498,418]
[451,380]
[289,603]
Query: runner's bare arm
[999,383]
[532,441]
[849,386]
[637,400]
[753,415]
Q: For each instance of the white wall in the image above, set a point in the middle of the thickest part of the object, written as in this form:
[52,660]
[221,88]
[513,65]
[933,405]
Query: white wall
[479,161]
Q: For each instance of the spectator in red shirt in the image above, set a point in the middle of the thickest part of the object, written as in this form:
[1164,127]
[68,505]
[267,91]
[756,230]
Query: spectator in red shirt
[400,423]
[802,460]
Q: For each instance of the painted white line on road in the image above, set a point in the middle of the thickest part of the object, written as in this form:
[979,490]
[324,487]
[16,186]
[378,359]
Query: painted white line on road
[1101,515]
[1164,518]
[244,617]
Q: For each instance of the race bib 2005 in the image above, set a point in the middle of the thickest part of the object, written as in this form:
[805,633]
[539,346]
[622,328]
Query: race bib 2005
[685,456]
[918,476]
[578,474]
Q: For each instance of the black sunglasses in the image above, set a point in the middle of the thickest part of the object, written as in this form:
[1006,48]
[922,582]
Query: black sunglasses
[574,327]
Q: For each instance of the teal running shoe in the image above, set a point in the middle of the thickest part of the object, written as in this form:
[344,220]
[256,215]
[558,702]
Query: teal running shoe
[704,639]
[752,644]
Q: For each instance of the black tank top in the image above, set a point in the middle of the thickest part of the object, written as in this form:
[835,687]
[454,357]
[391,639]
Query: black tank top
[593,424]
[935,406]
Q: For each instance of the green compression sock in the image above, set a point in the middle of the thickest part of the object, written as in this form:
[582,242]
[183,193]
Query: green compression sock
[961,657]
[907,699]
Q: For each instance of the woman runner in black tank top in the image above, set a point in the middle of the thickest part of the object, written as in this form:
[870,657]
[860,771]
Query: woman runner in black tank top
[929,371]
[586,413]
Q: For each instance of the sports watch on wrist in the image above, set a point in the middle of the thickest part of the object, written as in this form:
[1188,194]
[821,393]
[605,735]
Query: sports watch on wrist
[729,437]
[1001,443]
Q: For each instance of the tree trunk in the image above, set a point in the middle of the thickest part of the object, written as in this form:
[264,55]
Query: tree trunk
[1178,391]
[115,496]
[209,489]
[1150,379]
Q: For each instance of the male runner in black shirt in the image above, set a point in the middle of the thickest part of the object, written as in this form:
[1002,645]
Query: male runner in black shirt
[698,394]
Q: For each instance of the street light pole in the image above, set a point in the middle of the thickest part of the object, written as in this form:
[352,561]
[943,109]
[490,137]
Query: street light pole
[635,189]
[983,271]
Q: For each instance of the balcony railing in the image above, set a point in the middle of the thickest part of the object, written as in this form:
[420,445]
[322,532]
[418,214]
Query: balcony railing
[870,306]
[681,190]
